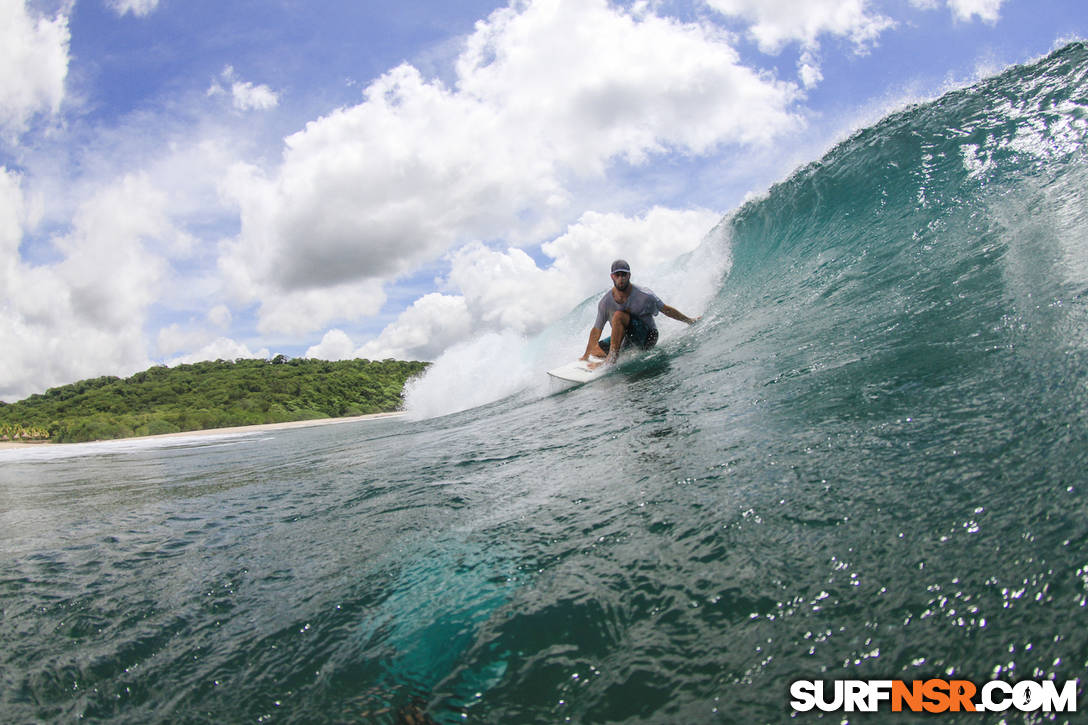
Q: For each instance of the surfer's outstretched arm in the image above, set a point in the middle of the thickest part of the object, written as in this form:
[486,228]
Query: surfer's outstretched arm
[678,315]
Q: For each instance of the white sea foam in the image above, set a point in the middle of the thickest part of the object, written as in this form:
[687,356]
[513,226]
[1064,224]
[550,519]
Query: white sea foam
[121,446]
[472,373]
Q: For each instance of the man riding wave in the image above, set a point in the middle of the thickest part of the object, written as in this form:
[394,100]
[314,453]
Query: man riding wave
[630,311]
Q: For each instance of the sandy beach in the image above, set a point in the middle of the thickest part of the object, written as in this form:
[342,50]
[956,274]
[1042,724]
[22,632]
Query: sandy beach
[221,431]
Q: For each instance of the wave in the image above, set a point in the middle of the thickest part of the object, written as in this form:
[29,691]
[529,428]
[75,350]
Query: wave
[941,222]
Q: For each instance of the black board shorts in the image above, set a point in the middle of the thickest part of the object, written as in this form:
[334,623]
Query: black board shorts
[638,333]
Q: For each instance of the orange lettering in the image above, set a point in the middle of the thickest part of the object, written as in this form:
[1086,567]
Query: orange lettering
[912,696]
[961,693]
[936,691]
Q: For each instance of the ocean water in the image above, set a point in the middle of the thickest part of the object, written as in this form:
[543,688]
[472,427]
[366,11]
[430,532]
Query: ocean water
[867,461]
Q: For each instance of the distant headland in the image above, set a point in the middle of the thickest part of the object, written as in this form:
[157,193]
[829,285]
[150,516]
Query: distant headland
[207,396]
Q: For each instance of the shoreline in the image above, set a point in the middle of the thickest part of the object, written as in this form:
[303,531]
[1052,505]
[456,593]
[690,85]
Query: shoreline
[10,445]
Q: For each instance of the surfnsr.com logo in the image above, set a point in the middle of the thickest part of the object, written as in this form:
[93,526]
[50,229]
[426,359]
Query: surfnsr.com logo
[934,696]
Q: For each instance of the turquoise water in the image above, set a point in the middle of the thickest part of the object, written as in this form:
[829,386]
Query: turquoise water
[868,461]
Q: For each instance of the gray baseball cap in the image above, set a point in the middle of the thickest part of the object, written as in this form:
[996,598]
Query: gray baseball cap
[621,265]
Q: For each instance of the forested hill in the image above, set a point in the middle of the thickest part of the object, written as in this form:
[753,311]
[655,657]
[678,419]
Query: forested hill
[209,395]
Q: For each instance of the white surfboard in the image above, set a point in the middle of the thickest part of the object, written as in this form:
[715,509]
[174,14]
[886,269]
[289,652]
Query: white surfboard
[579,370]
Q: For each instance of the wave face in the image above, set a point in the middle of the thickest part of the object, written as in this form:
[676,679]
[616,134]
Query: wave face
[868,461]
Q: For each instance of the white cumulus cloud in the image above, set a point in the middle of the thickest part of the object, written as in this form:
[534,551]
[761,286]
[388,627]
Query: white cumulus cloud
[245,96]
[249,97]
[220,316]
[34,59]
[83,315]
[296,312]
[139,8]
[988,11]
[335,345]
[547,94]
[776,23]
[221,348]
[431,324]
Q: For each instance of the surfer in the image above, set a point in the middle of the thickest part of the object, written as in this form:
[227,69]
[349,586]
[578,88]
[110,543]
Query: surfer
[630,311]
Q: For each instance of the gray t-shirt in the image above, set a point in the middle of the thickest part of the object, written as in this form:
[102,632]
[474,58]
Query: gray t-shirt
[641,303]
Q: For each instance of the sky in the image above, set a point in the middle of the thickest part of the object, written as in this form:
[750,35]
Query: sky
[186,180]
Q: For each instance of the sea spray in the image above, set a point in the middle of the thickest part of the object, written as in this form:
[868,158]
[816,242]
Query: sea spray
[469,374]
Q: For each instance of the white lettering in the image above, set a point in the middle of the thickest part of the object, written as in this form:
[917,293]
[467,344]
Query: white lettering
[1065,701]
[803,693]
[879,691]
[1027,696]
[991,702]
[856,696]
[834,704]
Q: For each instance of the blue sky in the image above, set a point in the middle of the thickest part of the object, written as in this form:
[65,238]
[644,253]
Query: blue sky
[195,180]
